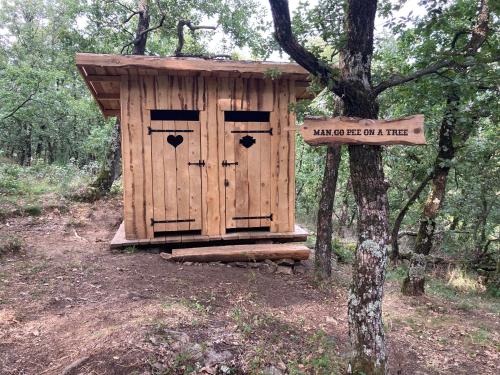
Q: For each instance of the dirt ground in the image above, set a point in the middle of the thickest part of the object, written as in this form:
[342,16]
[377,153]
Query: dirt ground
[69,305]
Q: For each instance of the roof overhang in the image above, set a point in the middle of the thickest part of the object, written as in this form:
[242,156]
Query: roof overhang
[102,73]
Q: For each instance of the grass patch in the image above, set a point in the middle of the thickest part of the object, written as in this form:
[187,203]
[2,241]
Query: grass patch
[465,301]
[313,352]
[23,190]
[10,245]
[397,273]
[460,280]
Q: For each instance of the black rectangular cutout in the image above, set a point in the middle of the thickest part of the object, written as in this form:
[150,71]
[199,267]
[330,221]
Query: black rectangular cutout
[246,116]
[174,115]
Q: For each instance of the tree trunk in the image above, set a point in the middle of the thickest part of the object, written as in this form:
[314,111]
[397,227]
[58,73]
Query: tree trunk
[401,215]
[111,168]
[414,283]
[344,211]
[366,328]
[323,249]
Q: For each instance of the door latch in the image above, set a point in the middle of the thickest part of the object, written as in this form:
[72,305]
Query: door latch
[225,163]
[226,182]
[200,163]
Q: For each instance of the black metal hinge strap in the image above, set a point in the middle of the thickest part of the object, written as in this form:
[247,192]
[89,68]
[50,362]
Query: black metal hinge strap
[226,163]
[153,221]
[270,131]
[150,130]
[269,217]
[200,163]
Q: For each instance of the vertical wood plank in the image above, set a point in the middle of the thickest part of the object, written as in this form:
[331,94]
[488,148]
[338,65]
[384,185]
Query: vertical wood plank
[213,199]
[265,172]
[182,171]
[230,175]
[223,91]
[241,183]
[136,140]
[127,171]
[176,93]
[204,156]
[291,160]
[158,140]
[170,165]
[274,122]
[194,176]
[254,177]
[148,101]
[283,177]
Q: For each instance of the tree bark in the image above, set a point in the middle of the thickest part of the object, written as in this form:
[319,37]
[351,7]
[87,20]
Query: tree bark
[354,87]
[323,248]
[343,222]
[414,283]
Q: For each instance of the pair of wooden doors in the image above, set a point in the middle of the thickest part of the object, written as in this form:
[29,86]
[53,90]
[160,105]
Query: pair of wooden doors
[177,175]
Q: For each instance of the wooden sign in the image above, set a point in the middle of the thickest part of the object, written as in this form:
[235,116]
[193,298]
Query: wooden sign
[347,130]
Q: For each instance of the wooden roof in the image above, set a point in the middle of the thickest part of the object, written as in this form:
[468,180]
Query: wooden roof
[102,73]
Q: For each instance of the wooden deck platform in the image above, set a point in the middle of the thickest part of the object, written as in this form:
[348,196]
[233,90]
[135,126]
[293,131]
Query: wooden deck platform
[298,235]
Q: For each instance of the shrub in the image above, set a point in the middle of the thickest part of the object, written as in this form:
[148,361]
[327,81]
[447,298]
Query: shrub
[345,251]
[463,282]
[32,210]
[10,245]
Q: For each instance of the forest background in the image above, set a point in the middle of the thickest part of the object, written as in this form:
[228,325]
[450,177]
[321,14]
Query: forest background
[53,139]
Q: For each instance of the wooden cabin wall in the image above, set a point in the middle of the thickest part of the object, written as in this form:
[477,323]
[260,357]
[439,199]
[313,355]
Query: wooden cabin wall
[212,96]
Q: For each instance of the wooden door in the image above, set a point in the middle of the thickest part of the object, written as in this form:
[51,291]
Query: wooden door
[176,163]
[247,169]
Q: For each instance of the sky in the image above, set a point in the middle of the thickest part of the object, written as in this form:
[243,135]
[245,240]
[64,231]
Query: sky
[408,6]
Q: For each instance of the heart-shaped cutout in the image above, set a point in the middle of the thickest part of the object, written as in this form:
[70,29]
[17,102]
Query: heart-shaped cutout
[175,140]
[247,141]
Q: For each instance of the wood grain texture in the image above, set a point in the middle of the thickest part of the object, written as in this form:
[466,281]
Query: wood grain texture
[240,253]
[119,240]
[212,226]
[190,64]
[345,130]
[194,175]
[161,185]
[148,98]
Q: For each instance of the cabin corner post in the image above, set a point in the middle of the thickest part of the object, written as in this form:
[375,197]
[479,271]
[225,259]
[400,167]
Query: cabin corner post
[128,202]
[291,128]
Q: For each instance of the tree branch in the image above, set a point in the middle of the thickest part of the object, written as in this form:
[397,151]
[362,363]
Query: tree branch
[18,107]
[397,80]
[285,37]
[130,17]
[180,34]
[478,37]
[142,33]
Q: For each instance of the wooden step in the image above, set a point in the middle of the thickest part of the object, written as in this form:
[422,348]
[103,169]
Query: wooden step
[239,253]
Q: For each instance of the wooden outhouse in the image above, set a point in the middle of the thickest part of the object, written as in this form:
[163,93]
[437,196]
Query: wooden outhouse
[208,147]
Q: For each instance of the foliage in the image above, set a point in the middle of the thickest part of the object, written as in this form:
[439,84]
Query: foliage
[28,190]
[49,122]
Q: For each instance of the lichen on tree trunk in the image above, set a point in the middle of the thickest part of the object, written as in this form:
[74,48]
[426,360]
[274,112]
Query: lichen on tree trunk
[414,283]
[366,328]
